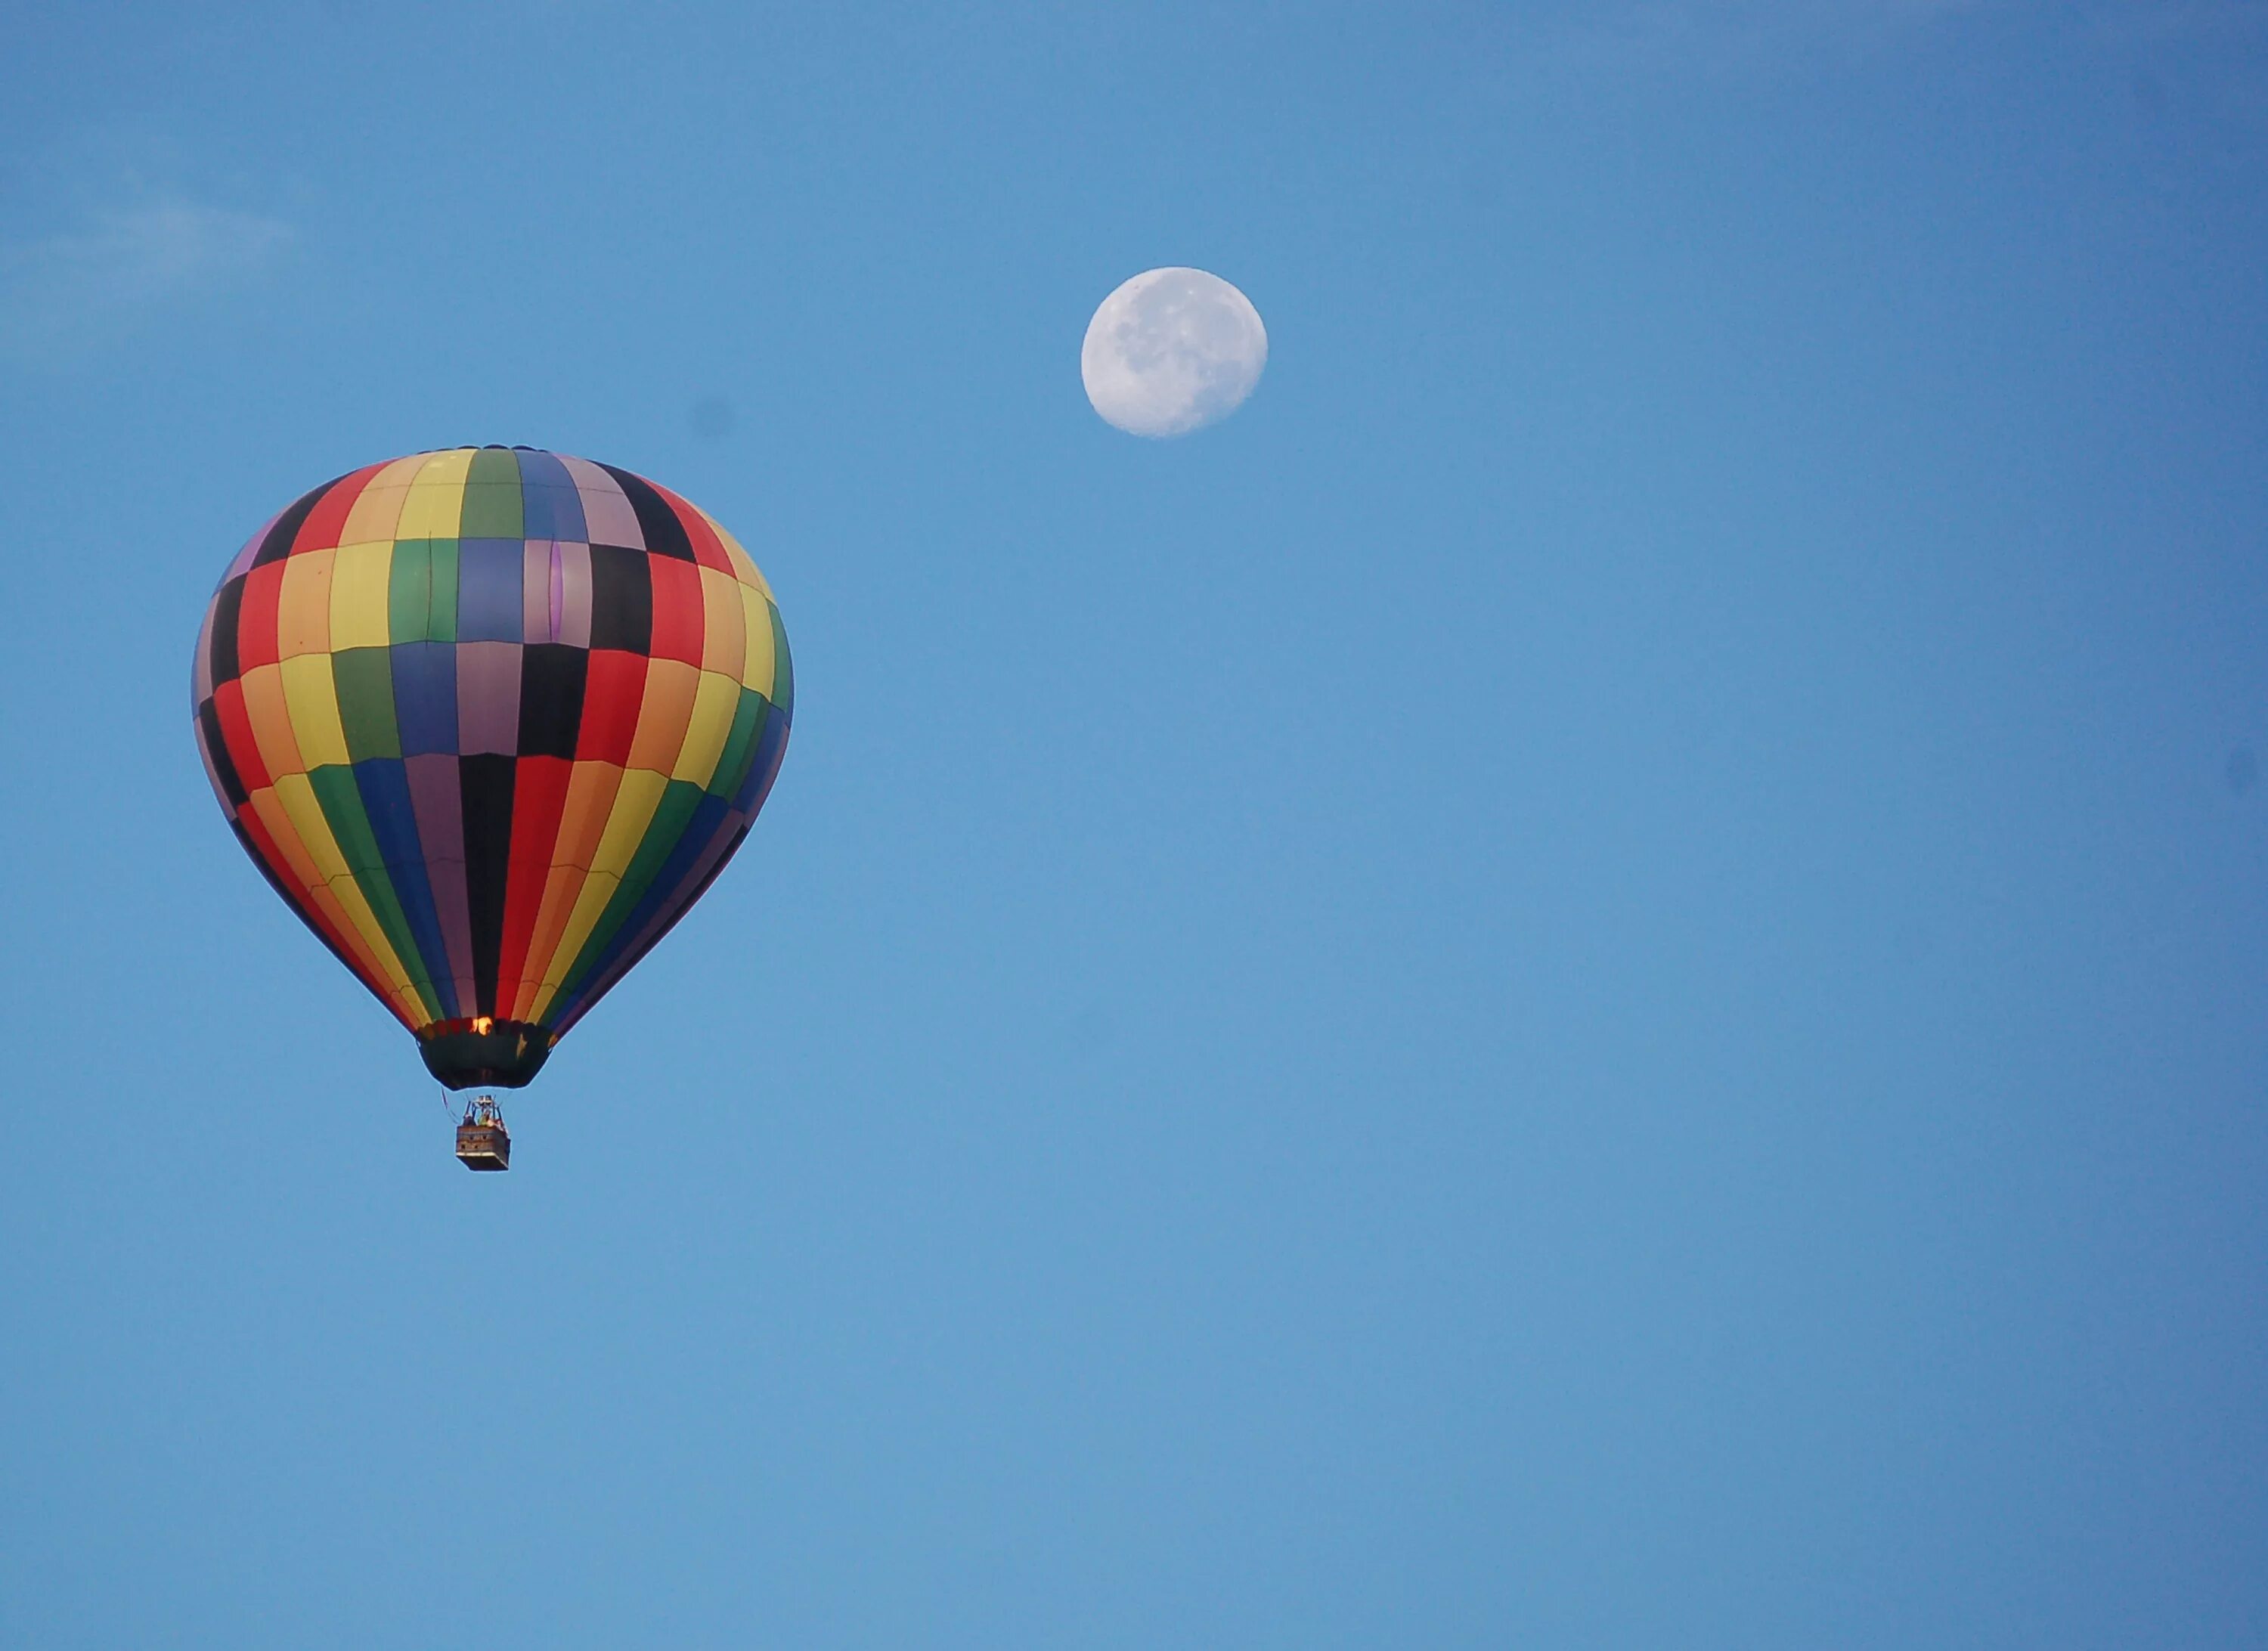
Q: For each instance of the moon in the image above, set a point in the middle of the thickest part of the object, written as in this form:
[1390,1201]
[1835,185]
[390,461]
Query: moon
[1172,351]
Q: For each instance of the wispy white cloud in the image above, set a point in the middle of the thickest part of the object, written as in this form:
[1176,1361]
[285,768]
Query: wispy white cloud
[121,269]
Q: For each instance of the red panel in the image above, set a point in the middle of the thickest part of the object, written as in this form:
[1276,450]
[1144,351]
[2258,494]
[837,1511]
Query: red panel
[539,793]
[255,621]
[679,621]
[236,734]
[612,692]
[349,946]
[708,551]
[324,524]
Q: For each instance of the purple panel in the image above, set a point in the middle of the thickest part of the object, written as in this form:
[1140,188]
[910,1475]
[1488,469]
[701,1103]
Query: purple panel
[489,603]
[550,507]
[607,513]
[438,804]
[572,593]
[201,683]
[243,558]
[425,695]
[488,698]
[539,620]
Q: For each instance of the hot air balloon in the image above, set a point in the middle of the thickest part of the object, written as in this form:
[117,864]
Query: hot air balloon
[489,720]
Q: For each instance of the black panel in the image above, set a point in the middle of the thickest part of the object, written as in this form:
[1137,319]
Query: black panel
[277,545]
[665,534]
[505,1057]
[622,598]
[550,698]
[487,783]
[226,610]
[223,765]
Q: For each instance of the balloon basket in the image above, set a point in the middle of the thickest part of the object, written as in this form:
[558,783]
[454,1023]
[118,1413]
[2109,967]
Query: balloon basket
[482,1142]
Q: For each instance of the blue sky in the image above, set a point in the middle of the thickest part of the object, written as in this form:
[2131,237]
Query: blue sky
[1593,978]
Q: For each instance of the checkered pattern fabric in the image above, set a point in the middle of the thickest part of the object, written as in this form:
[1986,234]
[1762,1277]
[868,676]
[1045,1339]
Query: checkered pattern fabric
[490,719]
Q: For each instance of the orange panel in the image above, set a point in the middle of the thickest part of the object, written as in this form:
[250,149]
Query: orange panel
[725,647]
[561,885]
[303,608]
[582,820]
[670,687]
[271,721]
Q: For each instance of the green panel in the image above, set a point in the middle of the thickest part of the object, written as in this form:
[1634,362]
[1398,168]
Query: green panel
[441,626]
[365,680]
[335,789]
[492,498]
[671,816]
[491,467]
[421,591]
[733,763]
[782,693]
[409,590]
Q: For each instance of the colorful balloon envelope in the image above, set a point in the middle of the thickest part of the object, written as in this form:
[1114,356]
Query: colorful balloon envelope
[490,720]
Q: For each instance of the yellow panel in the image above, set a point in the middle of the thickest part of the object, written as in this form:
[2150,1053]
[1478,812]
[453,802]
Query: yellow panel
[358,579]
[635,801]
[437,497]
[720,696]
[317,892]
[306,821]
[743,567]
[271,721]
[303,607]
[598,888]
[326,900]
[561,885]
[301,864]
[557,955]
[583,817]
[670,686]
[401,996]
[633,805]
[306,814]
[757,670]
[724,624]
[378,505]
[313,698]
